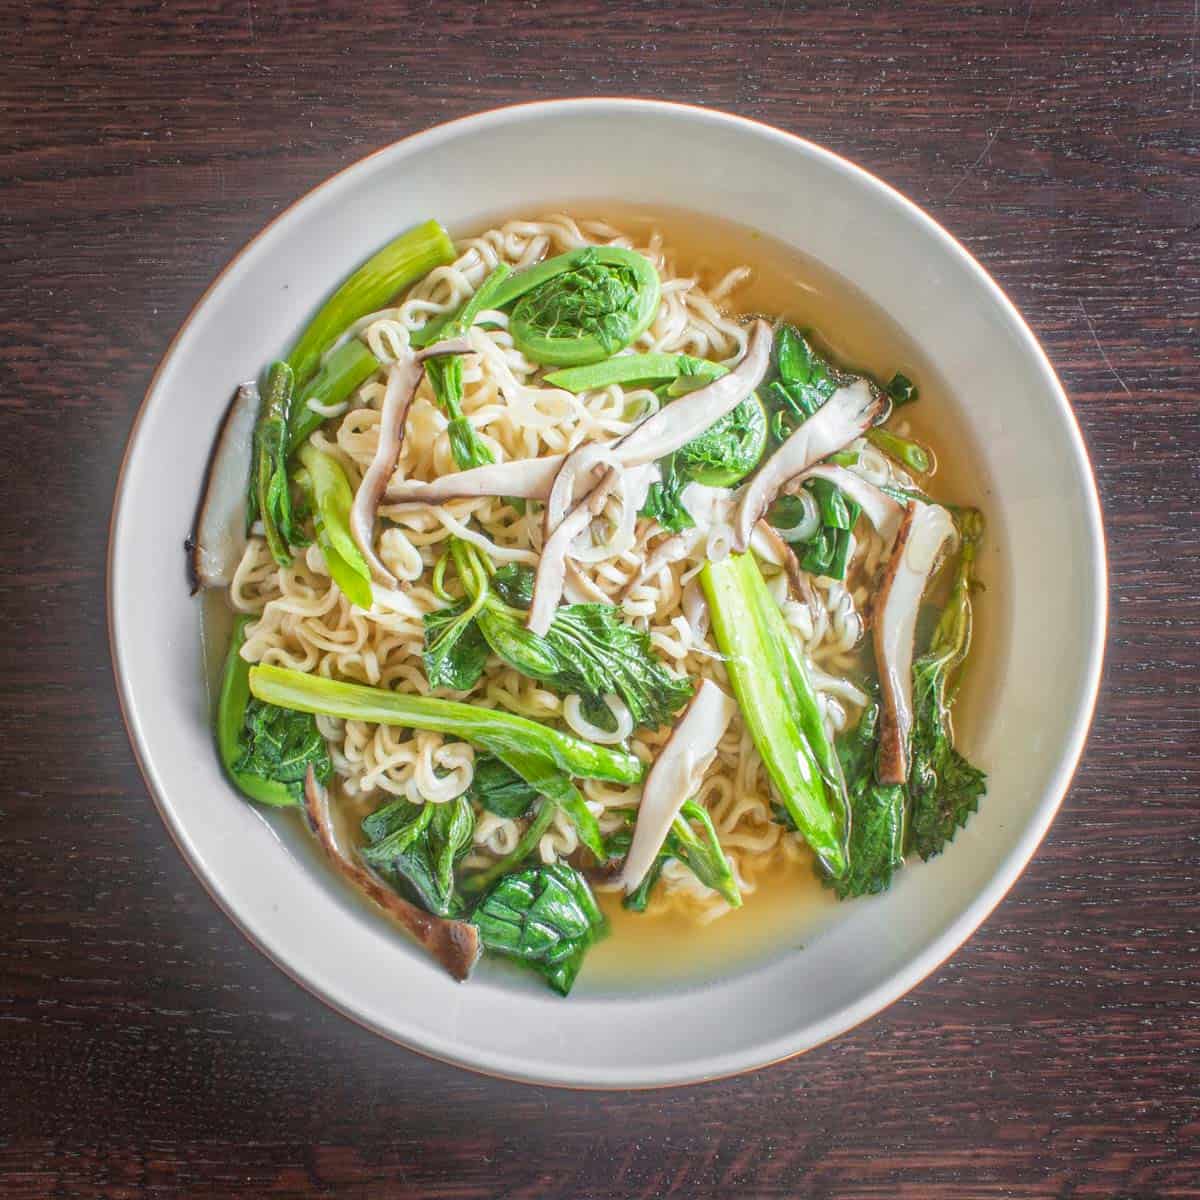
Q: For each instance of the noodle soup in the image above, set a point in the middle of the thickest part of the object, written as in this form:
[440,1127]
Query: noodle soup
[532,502]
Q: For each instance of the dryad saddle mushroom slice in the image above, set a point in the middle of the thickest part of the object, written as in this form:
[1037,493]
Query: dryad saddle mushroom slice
[923,533]
[847,414]
[675,775]
[455,944]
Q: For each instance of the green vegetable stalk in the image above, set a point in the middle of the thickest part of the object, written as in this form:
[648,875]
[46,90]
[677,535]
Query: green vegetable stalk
[445,374]
[331,499]
[502,733]
[347,368]
[904,450]
[777,710]
[270,488]
[625,369]
[400,263]
[265,750]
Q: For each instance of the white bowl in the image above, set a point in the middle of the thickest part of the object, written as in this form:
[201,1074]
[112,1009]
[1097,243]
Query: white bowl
[1049,570]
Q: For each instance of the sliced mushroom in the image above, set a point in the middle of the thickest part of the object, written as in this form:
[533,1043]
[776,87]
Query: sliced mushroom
[403,380]
[218,537]
[552,566]
[676,424]
[924,531]
[455,944]
[847,414]
[767,543]
[675,775]
[525,478]
[884,513]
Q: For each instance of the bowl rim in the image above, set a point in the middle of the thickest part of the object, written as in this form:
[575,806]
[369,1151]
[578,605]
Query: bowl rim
[981,906]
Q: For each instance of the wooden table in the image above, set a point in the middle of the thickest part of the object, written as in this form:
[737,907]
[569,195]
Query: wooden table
[147,1050]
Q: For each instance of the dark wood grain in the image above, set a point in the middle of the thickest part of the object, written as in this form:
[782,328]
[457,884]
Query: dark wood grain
[147,1050]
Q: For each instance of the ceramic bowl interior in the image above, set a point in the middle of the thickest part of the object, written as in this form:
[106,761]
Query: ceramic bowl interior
[1046,569]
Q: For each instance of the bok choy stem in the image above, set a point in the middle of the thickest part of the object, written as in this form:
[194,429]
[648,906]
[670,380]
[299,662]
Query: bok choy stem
[504,734]
[776,708]
[401,262]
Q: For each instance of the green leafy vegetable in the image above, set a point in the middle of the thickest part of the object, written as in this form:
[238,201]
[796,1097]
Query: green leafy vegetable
[418,846]
[587,650]
[581,306]
[902,390]
[270,493]
[726,452]
[498,789]
[401,262]
[877,815]
[502,733]
[944,788]
[265,750]
[348,367]
[827,552]
[778,703]
[546,918]
[330,498]
[663,499]
[445,375]
[699,849]
[455,652]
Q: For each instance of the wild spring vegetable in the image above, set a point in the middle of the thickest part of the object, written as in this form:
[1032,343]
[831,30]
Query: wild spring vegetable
[581,306]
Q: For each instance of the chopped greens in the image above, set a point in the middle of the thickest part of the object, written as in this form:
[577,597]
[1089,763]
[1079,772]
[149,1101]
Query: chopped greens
[498,789]
[265,750]
[416,846]
[544,917]
[944,788]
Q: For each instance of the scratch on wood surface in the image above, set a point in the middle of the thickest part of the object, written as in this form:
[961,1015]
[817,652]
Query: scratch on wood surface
[1192,60]
[1099,346]
[987,148]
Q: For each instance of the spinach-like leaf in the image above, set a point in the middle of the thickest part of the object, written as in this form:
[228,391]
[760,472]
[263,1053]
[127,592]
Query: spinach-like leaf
[498,789]
[455,651]
[280,745]
[877,815]
[944,788]
[597,652]
[544,917]
[602,654]
[417,846]
[663,498]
